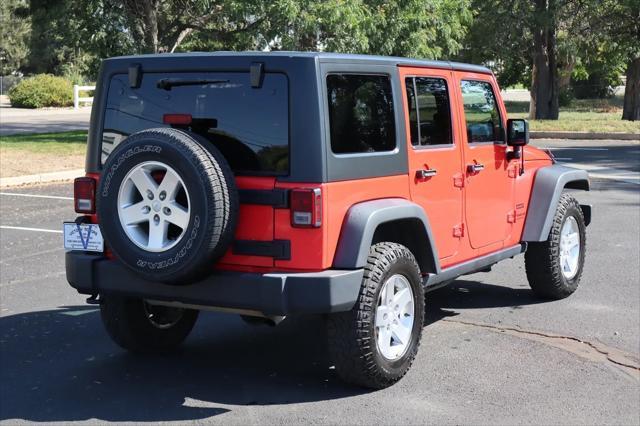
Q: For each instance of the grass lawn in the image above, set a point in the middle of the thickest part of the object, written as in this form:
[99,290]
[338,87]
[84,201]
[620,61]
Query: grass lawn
[42,152]
[583,115]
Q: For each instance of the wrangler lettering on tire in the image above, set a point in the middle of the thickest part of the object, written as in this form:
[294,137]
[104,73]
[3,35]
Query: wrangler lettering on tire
[168,205]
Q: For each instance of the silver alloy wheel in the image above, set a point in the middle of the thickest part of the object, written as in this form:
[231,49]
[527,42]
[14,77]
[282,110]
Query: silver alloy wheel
[394,318]
[570,247]
[150,213]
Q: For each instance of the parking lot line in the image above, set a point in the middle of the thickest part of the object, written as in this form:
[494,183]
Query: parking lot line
[611,173]
[53,197]
[22,228]
[579,148]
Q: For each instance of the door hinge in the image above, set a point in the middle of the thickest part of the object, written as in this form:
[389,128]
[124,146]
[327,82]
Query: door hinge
[458,230]
[511,216]
[513,172]
[458,180]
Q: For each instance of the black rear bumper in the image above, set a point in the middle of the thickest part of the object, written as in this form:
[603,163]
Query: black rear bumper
[270,294]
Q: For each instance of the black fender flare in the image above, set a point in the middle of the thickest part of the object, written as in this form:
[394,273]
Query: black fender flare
[548,185]
[361,222]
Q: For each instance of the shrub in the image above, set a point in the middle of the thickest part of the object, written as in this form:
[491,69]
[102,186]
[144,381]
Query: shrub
[566,97]
[42,90]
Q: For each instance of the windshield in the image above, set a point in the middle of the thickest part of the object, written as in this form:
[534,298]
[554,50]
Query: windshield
[248,125]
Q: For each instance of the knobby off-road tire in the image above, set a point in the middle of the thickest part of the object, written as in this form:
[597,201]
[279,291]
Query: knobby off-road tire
[353,335]
[142,328]
[208,190]
[549,274]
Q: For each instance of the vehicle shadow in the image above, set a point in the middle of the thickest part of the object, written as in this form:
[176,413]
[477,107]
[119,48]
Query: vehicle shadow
[465,294]
[59,365]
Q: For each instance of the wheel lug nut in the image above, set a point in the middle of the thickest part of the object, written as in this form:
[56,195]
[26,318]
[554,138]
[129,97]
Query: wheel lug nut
[146,209]
[156,219]
[163,195]
[149,194]
[166,210]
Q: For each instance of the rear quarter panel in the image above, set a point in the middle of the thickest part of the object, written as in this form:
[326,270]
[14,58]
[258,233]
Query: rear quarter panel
[315,248]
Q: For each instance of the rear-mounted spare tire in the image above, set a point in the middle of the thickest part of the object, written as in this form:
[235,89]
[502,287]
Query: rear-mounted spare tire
[167,205]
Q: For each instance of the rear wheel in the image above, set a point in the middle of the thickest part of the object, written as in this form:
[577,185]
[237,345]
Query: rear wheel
[375,343]
[141,327]
[554,267]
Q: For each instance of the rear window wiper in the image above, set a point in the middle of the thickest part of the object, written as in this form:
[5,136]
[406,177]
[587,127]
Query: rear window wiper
[168,83]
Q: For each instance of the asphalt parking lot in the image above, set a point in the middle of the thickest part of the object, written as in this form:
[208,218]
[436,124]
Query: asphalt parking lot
[491,352]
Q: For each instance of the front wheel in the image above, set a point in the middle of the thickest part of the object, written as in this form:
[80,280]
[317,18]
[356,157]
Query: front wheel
[554,267]
[375,343]
[141,327]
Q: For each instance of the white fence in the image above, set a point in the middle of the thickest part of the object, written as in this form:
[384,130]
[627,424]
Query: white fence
[76,95]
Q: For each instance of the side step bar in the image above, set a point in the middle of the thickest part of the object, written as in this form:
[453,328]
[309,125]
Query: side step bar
[434,281]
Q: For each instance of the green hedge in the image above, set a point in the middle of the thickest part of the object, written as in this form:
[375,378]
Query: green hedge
[42,90]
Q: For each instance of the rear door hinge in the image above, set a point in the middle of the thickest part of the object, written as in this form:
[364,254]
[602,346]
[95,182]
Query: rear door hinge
[458,180]
[458,230]
[513,171]
[511,216]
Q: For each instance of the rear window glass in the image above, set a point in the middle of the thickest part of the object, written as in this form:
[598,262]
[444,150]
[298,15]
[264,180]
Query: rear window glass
[360,113]
[248,125]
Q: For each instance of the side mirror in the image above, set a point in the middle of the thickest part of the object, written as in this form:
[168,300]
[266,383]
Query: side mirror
[517,132]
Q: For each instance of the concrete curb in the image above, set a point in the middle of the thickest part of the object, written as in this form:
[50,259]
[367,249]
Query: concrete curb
[41,178]
[585,136]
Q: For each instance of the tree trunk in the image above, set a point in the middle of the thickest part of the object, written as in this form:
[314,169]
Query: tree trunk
[150,24]
[564,74]
[631,109]
[544,77]
[143,20]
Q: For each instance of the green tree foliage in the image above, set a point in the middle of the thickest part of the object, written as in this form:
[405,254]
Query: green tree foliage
[332,25]
[72,36]
[163,25]
[621,24]
[69,37]
[42,90]
[500,38]
[430,29]
[597,74]
[535,42]
[416,28]
[14,33]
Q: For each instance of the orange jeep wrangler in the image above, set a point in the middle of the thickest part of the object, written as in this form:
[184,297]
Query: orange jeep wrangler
[275,184]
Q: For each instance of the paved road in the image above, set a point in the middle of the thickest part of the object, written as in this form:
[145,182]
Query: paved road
[19,120]
[491,352]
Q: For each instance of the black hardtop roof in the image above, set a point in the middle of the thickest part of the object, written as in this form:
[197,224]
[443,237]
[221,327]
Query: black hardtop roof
[322,57]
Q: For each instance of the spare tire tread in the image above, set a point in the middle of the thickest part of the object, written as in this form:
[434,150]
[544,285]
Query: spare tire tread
[220,201]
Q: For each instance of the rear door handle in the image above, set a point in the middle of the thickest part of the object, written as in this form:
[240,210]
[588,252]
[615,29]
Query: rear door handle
[475,168]
[426,173]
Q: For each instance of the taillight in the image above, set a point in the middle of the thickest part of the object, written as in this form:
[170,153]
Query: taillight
[84,195]
[179,119]
[306,208]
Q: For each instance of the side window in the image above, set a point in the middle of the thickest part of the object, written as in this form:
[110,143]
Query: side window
[361,116]
[429,111]
[481,112]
